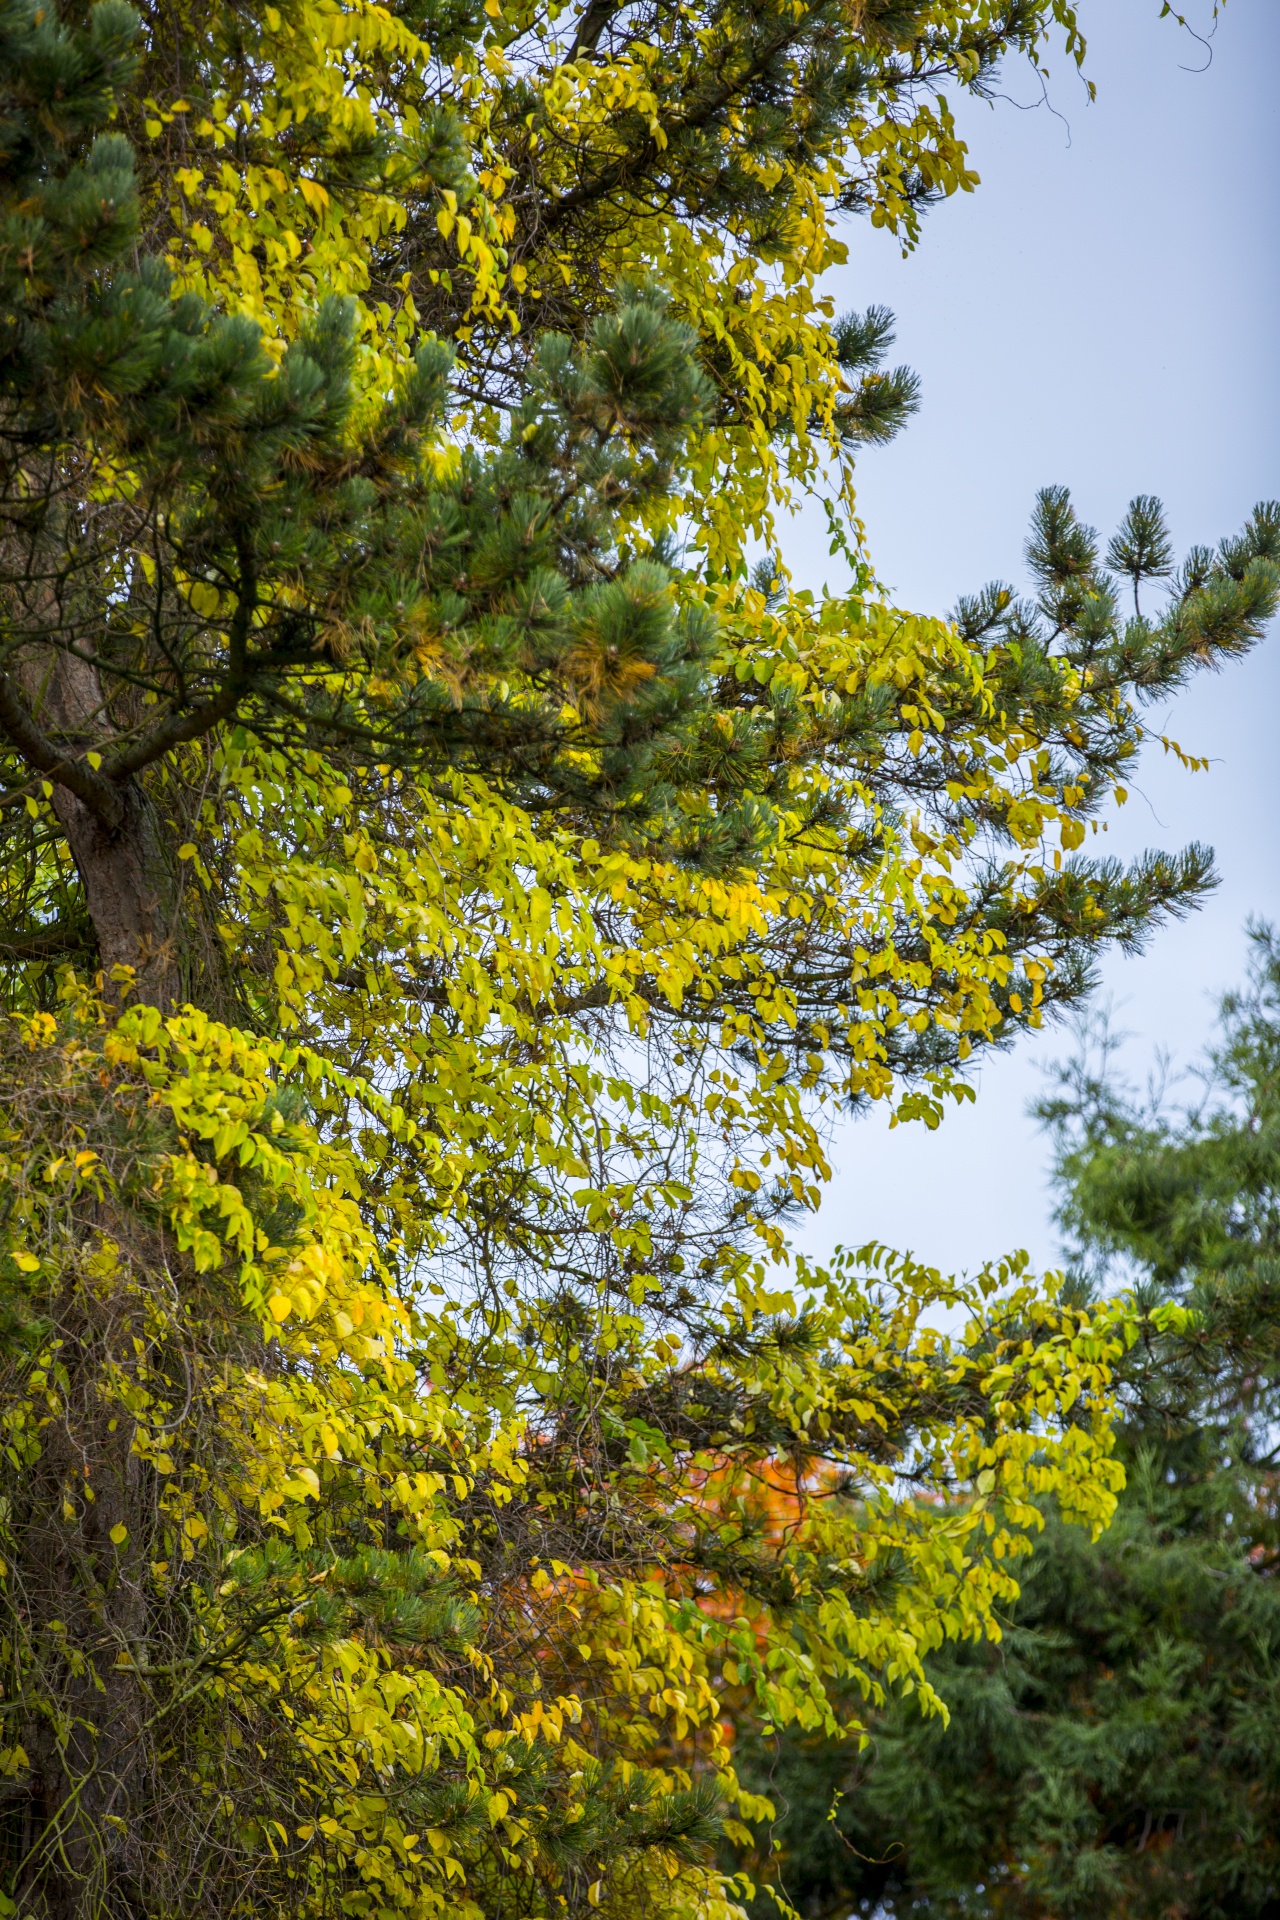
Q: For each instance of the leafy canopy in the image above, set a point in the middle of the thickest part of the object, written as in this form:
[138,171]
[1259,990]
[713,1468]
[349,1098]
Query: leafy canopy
[414,1432]
[1119,1752]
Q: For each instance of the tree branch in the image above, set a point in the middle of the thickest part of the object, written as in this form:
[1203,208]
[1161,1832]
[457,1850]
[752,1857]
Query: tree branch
[93,788]
[176,730]
[191,725]
[43,943]
[595,19]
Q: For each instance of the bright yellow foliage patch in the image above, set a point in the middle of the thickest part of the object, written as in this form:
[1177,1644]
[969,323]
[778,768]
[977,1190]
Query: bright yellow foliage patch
[500,1448]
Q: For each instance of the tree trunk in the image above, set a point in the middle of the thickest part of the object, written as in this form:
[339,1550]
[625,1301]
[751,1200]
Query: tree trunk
[131,892]
[89,1528]
[88,1606]
[88,1524]
[132,888]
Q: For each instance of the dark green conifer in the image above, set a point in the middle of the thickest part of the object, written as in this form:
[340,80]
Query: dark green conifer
[316,548]
[1118,1753]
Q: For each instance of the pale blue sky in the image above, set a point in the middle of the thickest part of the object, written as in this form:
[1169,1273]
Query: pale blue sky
[1101,312]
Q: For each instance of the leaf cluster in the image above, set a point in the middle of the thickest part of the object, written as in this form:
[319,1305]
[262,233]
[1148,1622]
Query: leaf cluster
[1119,1751]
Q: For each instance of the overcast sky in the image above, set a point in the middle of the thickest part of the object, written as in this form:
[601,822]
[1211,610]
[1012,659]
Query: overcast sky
[1101,313]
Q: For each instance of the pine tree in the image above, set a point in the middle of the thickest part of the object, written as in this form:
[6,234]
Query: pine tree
[1118,1752]
[190,529]
[437,908]
[210,525]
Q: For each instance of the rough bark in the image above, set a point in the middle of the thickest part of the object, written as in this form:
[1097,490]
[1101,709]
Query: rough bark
[86,1606]
[130,879]
[85,1592]
[130,891]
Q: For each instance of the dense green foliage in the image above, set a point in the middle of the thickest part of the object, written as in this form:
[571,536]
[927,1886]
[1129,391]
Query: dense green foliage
[437,910]
[1118,1752]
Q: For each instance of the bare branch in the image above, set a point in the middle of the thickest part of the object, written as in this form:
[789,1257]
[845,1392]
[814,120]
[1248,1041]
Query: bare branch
[77,776]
